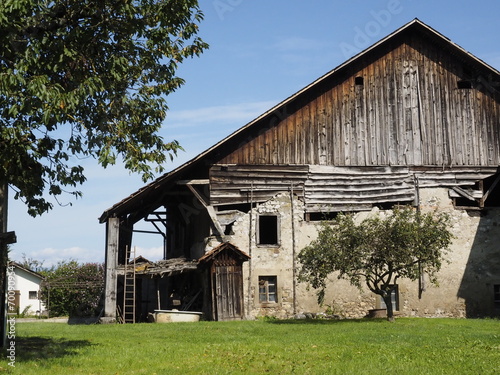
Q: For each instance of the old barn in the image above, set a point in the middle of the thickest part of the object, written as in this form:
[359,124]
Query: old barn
[412,120]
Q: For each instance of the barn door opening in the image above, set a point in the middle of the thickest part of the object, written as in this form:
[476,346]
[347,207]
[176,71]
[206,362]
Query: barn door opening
[227,288]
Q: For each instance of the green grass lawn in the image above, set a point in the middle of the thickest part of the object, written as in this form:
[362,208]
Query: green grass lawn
[408,346]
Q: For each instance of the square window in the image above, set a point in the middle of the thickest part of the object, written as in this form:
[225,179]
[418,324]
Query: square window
[268,230]
[33,294]
[268,289]
[394,299]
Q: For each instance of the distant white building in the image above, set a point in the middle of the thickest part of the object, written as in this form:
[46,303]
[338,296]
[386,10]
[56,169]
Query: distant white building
[27,289]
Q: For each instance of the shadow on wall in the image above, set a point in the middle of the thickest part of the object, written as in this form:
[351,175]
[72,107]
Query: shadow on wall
[480,285]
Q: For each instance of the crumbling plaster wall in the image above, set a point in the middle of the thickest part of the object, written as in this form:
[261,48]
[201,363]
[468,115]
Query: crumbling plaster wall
[473,234]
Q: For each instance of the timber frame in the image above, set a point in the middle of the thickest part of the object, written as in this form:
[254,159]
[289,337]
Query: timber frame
[414,111]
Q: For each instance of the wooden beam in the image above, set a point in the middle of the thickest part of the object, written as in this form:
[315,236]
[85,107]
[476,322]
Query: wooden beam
[8,238]
[477,194]
[204,181]
[215,221]
[112,239]
[198,195]
[210,210]
[464,193]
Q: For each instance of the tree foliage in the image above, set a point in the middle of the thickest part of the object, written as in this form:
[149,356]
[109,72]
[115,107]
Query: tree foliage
[73,289]
[87,78]
[32,264]
[377,251]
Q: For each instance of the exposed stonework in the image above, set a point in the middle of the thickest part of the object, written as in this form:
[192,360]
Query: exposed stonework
[465,280]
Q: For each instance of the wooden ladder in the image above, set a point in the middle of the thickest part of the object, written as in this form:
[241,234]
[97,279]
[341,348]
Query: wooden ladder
[129,290]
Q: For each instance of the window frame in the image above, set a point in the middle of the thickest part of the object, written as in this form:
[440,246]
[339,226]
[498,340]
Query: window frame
[33,294]
[268,280]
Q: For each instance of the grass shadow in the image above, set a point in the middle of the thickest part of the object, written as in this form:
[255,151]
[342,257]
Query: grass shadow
[325,321]
[37,348]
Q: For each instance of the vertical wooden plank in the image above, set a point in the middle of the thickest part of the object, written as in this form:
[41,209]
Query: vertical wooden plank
[313,132]
[359,139]
[111,259]
[301,139]
[293,136]
[447,136]
[391,133]
[379,128]
[329,128]
[337,133]
[322,130]
[405,150]
[415,112]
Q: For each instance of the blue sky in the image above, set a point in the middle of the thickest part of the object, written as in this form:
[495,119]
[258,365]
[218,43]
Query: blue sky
[260,53]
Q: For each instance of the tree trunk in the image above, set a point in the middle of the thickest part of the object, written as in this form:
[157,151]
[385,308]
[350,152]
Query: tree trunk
[388,304]
[3,261]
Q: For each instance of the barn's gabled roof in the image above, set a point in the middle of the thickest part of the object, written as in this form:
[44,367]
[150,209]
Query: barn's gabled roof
[154,190]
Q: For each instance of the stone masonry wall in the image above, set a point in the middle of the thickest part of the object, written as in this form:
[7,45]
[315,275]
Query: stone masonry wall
[466,279]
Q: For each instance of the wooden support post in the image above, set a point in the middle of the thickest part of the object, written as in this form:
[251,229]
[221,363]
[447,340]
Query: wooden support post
[6,238]
[486,195]
[112,242]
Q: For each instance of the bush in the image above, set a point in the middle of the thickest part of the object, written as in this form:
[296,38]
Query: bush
[73,289]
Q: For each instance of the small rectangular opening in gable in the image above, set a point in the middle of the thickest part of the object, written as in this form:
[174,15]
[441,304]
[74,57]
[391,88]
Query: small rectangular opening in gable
[464,84]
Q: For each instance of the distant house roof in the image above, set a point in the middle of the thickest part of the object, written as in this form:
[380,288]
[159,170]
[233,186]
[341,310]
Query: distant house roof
[154,190]
[27,270]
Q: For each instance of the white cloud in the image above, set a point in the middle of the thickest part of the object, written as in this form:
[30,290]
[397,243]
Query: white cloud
[239,114]
[152,253]
[51,256]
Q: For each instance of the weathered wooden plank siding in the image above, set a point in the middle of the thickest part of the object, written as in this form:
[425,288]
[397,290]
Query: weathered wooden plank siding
[240,184]
[328,188]
[331,189]
[409,111]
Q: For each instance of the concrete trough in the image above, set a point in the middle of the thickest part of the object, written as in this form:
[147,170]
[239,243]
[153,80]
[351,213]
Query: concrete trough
[174,316]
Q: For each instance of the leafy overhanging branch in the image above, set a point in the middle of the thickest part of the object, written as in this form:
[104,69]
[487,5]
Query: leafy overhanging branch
[88,78]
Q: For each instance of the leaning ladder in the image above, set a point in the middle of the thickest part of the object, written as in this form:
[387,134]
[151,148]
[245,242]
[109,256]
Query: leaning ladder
[129,290]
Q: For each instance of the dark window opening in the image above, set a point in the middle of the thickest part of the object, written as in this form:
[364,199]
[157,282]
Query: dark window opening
[243,207]
[464,84]
[268,230]
[229,229]
[33,294]
[464,203]
[268,289]
[391,205]
[359,81]
[321,216]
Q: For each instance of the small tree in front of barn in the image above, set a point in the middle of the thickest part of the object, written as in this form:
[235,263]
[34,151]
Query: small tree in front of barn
[403,244]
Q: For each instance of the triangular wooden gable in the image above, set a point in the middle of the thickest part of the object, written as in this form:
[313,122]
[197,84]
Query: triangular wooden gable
[224,253]
[412,101]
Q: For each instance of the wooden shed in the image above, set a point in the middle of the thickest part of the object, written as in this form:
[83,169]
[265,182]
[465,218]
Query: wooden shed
[223,269]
